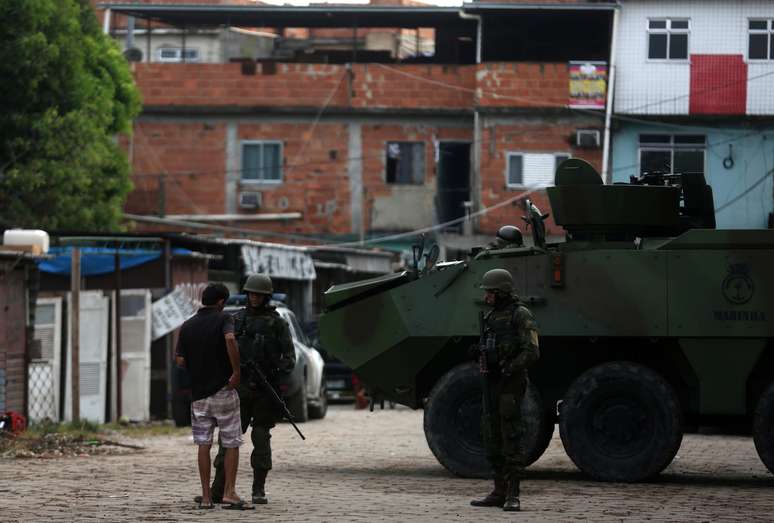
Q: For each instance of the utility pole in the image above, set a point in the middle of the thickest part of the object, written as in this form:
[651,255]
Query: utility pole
[170,365]
[75,319]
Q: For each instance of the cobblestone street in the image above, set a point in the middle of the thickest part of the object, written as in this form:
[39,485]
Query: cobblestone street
[360,466]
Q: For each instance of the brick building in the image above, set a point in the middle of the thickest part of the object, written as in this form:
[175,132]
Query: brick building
[18,290]
[360,142]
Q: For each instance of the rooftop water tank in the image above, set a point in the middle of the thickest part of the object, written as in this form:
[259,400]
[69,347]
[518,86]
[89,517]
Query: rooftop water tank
[35,238]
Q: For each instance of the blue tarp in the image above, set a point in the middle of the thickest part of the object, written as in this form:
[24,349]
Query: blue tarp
[99,260]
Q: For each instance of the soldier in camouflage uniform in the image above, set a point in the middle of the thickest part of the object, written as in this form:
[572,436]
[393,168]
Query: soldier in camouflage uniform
[516,341]
[508,236]
[264,338]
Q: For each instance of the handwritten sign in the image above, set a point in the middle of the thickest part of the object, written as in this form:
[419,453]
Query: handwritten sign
[170,312]
[290,264]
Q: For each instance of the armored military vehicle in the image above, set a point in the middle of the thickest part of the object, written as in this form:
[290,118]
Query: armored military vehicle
[652,323]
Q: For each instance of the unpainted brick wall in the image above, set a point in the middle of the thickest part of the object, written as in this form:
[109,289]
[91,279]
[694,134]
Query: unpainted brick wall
[192,155]
[315,178]
[535,136]
[522,84]
[316,158]
[359,85]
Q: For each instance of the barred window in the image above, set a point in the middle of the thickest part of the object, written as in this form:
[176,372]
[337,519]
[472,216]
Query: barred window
[760,40]
[668,39]
[672,154]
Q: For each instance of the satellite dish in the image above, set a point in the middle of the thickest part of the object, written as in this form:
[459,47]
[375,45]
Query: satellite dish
[133,54]
[575,171]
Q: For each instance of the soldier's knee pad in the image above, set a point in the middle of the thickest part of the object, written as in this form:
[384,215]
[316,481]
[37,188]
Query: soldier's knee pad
[261,456]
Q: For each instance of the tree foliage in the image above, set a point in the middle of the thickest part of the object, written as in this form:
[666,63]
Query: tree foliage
[65,93]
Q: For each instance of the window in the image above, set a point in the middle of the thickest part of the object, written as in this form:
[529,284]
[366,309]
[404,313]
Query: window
[133,306]
[176,54]
[668,39]
[405,162]
[45,314]
[761,40]
[532,170]
[672,154]
[262,162]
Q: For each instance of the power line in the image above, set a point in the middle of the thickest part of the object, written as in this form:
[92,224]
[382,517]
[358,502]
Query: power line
[380,239]
[745,192]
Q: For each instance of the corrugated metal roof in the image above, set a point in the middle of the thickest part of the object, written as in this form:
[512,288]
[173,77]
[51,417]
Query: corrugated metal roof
[199,15]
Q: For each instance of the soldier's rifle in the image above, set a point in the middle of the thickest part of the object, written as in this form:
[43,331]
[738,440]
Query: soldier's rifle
[258,380]
[487,358]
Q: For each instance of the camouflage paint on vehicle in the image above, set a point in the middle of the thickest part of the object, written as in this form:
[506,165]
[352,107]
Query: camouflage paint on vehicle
[637,282]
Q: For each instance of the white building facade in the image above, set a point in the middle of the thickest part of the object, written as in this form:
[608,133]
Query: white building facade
[694,92]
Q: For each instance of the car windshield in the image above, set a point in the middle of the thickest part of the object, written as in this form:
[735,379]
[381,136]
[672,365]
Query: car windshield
[295,328]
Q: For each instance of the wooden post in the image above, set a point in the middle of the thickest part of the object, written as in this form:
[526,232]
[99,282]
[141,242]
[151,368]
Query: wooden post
[75,318]
[170,367]
[119,381]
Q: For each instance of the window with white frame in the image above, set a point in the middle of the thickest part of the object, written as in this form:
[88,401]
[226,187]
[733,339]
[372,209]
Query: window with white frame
[532,169]
[405,163]
[672,154]
[177,54]
[760,39]
[668,39]
[262,161]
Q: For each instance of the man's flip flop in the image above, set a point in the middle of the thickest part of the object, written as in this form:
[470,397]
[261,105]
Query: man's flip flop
[215,499]
[205,507]
[240,505]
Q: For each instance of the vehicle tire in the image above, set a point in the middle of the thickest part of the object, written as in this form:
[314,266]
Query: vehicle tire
[763,428]
[318,409]
[452,423]
[621,421]
[298,405]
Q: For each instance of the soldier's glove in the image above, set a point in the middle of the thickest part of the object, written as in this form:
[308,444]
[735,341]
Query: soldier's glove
[506,369]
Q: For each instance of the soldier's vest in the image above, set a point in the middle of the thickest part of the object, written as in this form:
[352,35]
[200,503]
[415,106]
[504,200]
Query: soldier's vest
[256,336]
[501,323]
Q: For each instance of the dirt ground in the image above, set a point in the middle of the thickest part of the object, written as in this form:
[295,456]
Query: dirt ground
[361,466]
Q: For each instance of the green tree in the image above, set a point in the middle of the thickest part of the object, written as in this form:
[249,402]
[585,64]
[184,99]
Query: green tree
[66,92]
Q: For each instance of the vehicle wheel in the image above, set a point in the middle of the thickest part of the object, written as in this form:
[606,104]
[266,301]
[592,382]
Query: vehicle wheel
[320,407]
[763,428]
[621,421]
[298,405]
[452,423]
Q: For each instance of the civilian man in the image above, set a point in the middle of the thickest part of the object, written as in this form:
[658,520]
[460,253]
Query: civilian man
[208,348]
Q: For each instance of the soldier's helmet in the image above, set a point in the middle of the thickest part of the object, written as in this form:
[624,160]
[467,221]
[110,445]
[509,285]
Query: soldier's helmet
[510,234]
[497,280]
[259,283]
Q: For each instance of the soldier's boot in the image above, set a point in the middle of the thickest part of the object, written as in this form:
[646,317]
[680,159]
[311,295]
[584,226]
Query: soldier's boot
[512,503]
[496,498]
[259,486]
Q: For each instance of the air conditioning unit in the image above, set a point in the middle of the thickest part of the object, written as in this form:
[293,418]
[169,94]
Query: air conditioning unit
[249,200]
[588,138]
